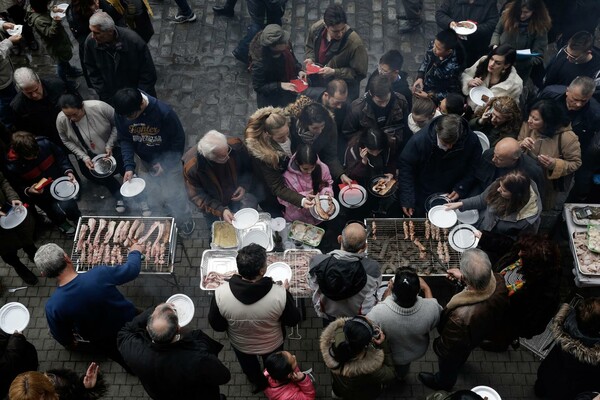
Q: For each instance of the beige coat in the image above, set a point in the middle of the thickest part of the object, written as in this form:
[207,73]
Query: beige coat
[570,162]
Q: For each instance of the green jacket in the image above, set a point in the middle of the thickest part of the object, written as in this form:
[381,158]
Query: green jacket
[53,34]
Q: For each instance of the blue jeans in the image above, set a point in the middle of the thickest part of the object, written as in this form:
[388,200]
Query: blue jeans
[263,13]
[184,8]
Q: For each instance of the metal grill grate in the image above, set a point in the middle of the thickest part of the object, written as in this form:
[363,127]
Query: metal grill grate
[89,250]
[388,246]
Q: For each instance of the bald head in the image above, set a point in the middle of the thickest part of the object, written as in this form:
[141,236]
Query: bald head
[163,324]
[506,153]
[354,238]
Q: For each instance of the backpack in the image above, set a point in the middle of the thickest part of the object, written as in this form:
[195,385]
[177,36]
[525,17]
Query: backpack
[340,279]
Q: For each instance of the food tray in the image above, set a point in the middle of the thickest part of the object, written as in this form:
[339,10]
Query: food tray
[220,261]
[306,233]
[595,220]
[263,224]
[213,243]
[299,261]
[588,263]
[593,238]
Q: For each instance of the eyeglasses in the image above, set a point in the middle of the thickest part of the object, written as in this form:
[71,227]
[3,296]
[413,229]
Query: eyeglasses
[572,58]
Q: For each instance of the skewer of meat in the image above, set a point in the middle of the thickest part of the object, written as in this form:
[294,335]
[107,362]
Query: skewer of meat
[82,254]
[440,251]
[167,233]
[133,228]
[422,253]
[113,255]
[117,233]
[119,255]
[427,230]
[446,253]
[150,231]
[106,257]
[110,231]
[411,230]
[101,227]
[92,225]
[81,241]
[124,231]
[139,231]
[405,229]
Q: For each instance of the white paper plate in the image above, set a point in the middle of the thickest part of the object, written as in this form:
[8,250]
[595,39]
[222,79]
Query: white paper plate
[465,31]
[483,139]
[256,236]
[325,205]
[462,237]
[133,187]
[17,30]
[353,197]
[477,92]
[278,224]
[485,391]
[184,306]
[63,189]
[279,271]
[62,14]
[467,217]
[245,218]
[103,166]
[441,217]
[14,217]
[14,317]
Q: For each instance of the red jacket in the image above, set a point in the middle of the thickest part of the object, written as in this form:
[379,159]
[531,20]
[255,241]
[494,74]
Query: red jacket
[302,390]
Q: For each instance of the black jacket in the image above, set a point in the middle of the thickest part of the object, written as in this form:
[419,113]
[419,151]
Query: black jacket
[39,116]
[186,369]
[426,169]
[17,355]
[400,85]
[131,66]
[483,12]
[486,172]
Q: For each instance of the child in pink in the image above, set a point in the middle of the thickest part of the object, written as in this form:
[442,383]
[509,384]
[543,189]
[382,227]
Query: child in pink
[307,175]
[286,381]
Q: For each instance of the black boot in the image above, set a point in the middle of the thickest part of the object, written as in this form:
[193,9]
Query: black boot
[224,11]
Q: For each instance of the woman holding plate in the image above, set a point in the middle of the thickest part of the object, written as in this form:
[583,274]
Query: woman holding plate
[18,237]
[508,206]
[87,128]
[496,72]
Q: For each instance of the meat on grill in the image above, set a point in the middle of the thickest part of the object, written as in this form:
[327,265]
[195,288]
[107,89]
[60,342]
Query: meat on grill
[110,231]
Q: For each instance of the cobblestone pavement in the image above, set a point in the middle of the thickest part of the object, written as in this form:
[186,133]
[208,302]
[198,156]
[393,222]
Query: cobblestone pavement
[210,90]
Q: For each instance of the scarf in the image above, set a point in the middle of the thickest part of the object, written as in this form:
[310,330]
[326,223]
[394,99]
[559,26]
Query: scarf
[519,282]
[289,66]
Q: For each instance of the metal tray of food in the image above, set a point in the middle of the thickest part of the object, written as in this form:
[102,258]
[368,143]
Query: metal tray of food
[588,262]
[306,233]
[223,236]
[216,267]
[298,260]
[263,224]
[594,218]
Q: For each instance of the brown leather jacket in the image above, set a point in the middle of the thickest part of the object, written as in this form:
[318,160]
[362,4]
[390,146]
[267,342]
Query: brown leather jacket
[469,318]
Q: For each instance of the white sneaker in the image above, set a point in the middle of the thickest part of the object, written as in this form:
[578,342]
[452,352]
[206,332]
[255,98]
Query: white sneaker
[146,211]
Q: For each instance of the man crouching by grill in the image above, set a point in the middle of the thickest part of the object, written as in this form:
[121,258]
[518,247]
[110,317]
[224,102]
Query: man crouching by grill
[86,311]
[345,281]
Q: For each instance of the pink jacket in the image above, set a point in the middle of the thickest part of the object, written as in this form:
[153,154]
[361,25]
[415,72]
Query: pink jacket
[302,390]
[302,183]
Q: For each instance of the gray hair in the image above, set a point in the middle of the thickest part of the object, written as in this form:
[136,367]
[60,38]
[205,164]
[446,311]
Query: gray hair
[476,268]
[24,77]
[449,128]
[103,21]
[353,239]
[211,141]
[585,83]
[165,333]
[50,260]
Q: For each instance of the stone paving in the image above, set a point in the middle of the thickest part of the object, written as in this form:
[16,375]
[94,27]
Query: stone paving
[210,90]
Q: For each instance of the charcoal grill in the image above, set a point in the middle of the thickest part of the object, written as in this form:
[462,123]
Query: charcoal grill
[151,265]
[386,245]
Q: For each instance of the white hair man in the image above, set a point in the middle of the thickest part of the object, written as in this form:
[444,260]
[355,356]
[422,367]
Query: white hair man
[469,317]
[117,58]
[218,175]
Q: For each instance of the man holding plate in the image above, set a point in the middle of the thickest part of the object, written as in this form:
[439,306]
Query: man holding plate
[151,129]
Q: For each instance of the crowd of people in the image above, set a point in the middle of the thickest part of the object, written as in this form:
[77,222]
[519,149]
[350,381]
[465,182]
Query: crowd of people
[516,156]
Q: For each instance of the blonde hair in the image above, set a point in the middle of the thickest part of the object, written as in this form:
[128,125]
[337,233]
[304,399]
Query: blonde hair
[31,386]
[258,133]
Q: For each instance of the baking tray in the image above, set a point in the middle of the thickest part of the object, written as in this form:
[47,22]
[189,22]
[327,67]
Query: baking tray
[315,243]
[212,237]
[220,261]
[578,243]
[263,224]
